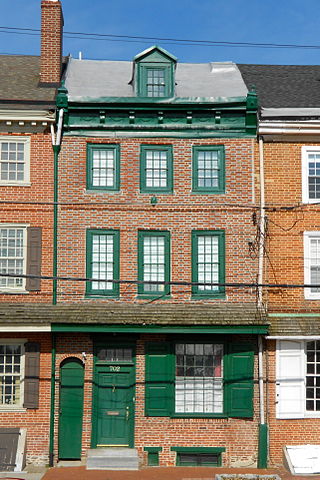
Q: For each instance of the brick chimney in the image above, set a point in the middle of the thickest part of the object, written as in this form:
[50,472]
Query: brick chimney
[51,41]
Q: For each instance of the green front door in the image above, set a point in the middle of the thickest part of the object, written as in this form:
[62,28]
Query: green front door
[71,409]
[114,399]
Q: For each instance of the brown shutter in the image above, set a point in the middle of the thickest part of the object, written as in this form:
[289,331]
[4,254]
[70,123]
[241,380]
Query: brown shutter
[31,378]
[33,258]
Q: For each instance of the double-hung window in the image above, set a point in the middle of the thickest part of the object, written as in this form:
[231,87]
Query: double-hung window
[199,378]
[12,256]
[310,174]
[298,378]
[155,80]
[312,264]
[103,167]
[153,262]
[156,168]
[208,262]
[14,160]
[208,174]
[102,262]
[11,371]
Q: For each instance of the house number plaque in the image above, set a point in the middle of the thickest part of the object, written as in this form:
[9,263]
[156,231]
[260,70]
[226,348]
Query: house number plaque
[114,368]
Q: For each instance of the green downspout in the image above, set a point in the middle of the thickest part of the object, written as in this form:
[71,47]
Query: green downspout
[52,399]
[56,150]
[263,446]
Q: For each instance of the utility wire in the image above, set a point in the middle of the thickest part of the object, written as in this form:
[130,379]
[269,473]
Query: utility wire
[159,282]
[223,43]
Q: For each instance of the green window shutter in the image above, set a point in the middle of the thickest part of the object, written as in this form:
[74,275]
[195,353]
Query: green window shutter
[239,380]
[159,394]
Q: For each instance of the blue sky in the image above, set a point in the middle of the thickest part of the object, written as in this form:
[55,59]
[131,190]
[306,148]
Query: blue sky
[262,21]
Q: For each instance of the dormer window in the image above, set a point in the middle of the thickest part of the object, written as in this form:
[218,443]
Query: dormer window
[154,73]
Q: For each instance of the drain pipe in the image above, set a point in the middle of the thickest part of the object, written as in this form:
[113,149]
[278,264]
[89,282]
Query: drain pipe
[56,145]
[263,427]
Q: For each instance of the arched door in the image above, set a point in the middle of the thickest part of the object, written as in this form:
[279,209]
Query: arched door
[71,409]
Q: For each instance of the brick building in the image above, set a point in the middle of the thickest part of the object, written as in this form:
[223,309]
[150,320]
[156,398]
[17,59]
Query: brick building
[156,219]
[290,152]
[27,113]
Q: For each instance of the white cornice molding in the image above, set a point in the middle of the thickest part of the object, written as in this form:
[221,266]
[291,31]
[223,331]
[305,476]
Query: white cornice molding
[7,115]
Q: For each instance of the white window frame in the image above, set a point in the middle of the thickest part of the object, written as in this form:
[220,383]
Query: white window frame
[25,239]
[291,387]
[307,236]
[27,142]
[21,342]
[305,173]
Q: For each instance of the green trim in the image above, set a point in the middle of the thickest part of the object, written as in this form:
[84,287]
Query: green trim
[142,234]
[152,449]
[143,167]
[114,291]
[239,102]
[140,56]
[198,449]
[98,363]
[192,329]
[196,292]
[220,188]
[52,400]
[142,79]
[91,147]
[263,446]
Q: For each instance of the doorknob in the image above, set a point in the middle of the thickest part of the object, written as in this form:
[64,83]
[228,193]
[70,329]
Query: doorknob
[127,413]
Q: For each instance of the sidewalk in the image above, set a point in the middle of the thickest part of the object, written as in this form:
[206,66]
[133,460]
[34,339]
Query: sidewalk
[164,473]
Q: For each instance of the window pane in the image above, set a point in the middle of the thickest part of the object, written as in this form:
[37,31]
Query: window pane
[10,377]
[314,175]
[102,262]
[208,262]
[208,169]
[11,256]
[313,376]
[198,384]
[315,263]
[103,166]
[156,86]
[156,169]
[154,263]
[12,161]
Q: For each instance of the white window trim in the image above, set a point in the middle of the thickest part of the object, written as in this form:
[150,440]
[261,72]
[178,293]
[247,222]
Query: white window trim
[308,295]
[22,342]
[21,289]
[305,173]
[27,142]
[302,347]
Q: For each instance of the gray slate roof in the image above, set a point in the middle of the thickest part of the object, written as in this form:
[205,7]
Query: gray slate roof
[19,78]
[132,314]
[277,86]
[97,78]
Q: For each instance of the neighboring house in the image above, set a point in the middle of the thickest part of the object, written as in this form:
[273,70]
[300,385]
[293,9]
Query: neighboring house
[27,112]
[156,190]
[289,128]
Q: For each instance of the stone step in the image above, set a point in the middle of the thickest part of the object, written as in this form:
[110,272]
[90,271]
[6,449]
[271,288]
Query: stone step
[113,458]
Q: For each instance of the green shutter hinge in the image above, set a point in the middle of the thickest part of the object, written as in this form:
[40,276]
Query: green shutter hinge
[153,200]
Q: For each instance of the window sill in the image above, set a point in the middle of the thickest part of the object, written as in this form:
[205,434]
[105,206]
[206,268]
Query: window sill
[160,296]
[199,415]
[12,184]
[102,295]
[204,296]
[101,191]
[12,409]
[5,291]
[208,192]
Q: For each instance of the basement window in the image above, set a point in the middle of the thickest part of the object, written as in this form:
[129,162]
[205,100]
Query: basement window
[199,456]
